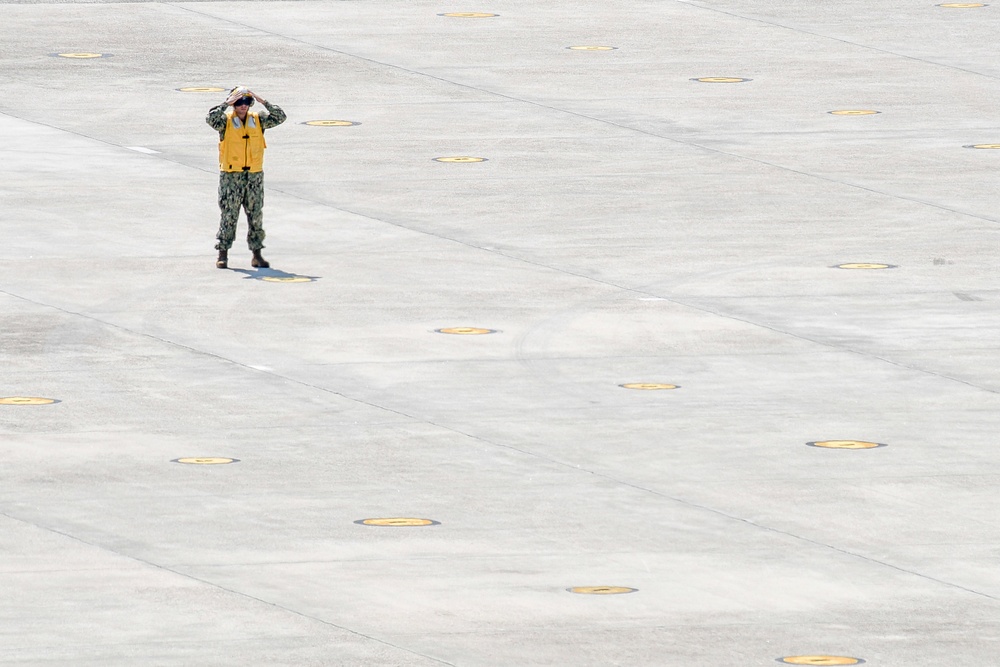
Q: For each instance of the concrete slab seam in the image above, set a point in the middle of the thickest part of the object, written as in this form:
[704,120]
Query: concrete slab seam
[527,453]
[692,3]
[607,122]
[220,587]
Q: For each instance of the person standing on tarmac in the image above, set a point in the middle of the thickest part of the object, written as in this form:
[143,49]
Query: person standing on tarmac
[241,169]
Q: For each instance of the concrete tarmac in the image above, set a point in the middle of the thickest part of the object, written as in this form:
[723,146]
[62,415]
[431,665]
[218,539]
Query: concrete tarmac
[628,224]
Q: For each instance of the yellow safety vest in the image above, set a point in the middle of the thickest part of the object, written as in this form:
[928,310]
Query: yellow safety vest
[242,147]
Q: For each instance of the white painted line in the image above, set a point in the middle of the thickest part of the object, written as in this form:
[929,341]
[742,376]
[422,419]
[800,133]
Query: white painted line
[140,149]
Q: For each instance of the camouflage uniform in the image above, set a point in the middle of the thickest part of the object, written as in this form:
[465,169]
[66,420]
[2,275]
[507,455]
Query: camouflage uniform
[242,188]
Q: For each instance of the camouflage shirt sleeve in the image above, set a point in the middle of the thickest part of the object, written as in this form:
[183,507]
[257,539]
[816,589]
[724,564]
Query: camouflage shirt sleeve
[275,116]
[217,119]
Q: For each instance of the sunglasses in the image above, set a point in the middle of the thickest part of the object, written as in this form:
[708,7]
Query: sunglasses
[245,102]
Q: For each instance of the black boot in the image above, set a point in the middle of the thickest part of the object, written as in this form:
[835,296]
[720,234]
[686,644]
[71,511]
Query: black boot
[223,261]
[258,261]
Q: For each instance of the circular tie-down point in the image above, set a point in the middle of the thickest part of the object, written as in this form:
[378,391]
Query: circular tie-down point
[80,56]
[601,590]
[846,444]
[592,48]
[963,5]
[649,386]
[331,123]
[820,660]
[983,146]
[465,331]
[398,522]
[854,112]
[469,15]
[201,89]
[721,79]
[287,279]
[205,460]
[460,158]
[26,400]
[870,266]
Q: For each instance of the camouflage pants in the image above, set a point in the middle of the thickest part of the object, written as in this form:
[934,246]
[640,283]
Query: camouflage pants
[241,189]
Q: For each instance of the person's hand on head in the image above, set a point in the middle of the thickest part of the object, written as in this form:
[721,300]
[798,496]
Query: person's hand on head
[237,93]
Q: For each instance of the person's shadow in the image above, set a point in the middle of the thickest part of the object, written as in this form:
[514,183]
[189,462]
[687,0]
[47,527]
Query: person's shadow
[275,276]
